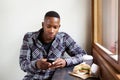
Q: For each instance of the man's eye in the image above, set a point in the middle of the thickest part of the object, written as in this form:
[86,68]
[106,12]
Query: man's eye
[48,26]
[55,27]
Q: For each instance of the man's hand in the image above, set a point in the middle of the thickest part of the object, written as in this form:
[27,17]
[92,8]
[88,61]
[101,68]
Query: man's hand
[58,63]
[43,64]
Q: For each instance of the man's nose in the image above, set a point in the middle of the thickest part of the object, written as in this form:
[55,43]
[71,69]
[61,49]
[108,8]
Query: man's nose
[51,30]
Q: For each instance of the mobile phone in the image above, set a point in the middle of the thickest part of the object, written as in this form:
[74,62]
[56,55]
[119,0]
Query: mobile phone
[50,60]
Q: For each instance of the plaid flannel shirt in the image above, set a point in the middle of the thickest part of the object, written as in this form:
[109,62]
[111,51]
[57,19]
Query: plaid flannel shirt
[32,50]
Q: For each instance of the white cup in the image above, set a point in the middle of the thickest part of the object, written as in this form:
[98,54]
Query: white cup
[95,70]
[88,59]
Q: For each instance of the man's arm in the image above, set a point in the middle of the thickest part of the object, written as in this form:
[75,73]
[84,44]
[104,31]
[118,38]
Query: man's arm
[74,50]
[25,57]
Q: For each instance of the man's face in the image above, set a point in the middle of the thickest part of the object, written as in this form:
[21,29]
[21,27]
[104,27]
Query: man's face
[50,26]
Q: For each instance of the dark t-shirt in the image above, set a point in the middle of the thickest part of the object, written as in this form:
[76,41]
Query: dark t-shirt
[45,45]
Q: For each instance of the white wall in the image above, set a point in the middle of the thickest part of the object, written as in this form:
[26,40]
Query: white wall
[20,16]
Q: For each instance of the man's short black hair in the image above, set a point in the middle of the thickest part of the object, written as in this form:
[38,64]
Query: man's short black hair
[52,14]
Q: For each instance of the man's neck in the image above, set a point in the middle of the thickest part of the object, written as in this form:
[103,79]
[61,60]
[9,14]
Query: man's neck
[45,40]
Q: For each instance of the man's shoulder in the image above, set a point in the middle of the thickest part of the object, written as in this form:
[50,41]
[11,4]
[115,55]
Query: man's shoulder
[62,34]
[31,34]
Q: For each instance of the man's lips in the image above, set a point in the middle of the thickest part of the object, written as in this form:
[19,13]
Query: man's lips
[51,35]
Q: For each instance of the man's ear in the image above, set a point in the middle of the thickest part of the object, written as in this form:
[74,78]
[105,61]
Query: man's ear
[59,26]
[42,24]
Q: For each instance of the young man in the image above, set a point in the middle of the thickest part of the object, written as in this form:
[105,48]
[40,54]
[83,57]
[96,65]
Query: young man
[47,43]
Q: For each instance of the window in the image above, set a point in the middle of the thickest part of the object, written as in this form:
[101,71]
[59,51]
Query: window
[106,30]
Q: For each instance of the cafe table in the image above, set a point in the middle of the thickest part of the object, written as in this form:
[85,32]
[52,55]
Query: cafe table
[63,74]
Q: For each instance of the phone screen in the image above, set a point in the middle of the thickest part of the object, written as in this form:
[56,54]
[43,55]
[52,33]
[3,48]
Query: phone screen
[50,60]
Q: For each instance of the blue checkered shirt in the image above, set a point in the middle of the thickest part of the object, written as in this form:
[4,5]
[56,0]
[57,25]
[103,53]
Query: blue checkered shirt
[32,50]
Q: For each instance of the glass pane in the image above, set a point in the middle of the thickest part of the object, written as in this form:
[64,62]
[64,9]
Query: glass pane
[110,26]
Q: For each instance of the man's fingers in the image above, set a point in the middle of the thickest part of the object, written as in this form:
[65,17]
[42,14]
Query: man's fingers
[44,59]
[57,61]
